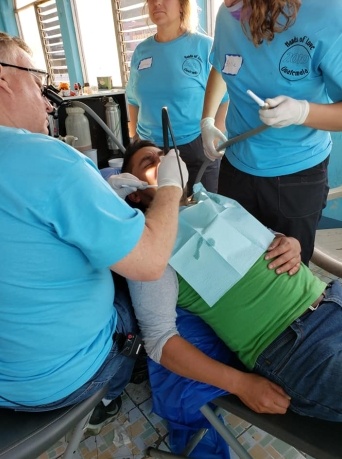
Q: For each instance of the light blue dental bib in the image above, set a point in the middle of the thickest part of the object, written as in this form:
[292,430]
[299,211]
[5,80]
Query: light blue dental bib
[217,243]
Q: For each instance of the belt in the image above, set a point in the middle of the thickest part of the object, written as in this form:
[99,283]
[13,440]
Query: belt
[316,304]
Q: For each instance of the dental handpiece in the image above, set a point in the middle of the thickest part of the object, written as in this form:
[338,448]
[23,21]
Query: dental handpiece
[139,187]
[262,104]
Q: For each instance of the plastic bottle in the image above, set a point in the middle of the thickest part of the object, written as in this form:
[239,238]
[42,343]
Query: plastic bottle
[86,88]
[77,124]
[113,121]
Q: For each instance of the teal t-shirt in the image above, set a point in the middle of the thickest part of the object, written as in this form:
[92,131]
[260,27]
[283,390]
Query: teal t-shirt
[256,309]
[62,226]
[302,62]
[172,74]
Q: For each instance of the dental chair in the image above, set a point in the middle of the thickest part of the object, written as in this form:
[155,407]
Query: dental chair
[328,244]
[183,401]
[26,435]
[319,439]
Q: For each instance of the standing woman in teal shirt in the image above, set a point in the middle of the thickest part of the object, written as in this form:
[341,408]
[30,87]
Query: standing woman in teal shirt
[171,69]
[289,54]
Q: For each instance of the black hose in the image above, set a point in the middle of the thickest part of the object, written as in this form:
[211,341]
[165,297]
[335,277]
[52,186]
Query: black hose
[227,144]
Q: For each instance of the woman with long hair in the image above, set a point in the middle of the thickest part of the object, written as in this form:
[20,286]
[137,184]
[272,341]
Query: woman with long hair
[171,69]
[288,54]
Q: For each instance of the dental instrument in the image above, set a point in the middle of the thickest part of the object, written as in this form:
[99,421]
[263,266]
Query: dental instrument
[166,126]
[262,104]
[141,187]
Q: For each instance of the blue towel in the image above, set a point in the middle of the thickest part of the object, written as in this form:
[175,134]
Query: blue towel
[179,399]
[107,172]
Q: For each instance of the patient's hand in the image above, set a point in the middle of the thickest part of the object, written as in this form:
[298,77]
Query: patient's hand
[262,395]
[285,255]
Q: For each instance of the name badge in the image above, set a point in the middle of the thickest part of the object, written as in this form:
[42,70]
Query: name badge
[232,64]
[145,63]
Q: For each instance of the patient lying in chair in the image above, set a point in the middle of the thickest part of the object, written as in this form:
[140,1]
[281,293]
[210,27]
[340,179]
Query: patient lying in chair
[284,323]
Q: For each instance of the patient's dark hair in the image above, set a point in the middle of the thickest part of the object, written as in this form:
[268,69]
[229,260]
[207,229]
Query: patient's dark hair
[127,167]
[131,150]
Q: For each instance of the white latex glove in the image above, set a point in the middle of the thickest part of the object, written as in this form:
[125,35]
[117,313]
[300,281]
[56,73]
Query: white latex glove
[125,184]
[168,171]
[210,134]
[284,111]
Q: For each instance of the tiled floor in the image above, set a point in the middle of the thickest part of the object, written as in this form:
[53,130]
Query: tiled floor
[138,428]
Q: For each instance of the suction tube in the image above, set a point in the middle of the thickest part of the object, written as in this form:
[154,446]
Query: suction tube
[56,99]
[166,125]
[104,126]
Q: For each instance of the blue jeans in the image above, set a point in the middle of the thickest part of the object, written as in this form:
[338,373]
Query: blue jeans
[115,370]
[306,359]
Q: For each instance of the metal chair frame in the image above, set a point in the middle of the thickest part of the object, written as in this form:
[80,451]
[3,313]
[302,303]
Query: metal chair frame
[26,435]
[320,439]
[320,256]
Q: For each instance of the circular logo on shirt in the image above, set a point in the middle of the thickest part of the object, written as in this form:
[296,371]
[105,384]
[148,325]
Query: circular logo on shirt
[192,66]
[295,63]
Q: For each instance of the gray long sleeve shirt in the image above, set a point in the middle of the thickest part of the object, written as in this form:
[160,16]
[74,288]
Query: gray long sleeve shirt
[155,309]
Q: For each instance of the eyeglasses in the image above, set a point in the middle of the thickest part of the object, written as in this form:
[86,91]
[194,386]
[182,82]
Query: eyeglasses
[34,72]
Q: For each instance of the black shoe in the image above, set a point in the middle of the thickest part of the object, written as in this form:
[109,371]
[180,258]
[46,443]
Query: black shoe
[102,415]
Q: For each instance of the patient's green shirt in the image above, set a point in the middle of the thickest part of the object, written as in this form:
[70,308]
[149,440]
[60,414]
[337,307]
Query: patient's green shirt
[256,309]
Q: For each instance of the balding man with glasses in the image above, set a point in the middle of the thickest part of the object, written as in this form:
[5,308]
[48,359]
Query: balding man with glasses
[63,229]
